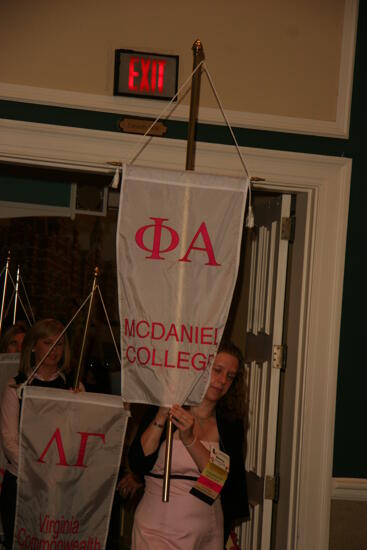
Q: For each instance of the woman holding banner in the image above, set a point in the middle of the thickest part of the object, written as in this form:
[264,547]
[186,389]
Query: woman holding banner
[54,372]
[188,522]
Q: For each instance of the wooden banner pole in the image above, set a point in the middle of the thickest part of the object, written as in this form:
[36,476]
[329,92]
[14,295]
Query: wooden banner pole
[167,461]
[199,56]
[4,290]
[16,295]
[198,53]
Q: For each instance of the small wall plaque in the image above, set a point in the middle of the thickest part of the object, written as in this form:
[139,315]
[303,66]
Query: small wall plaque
[140,126]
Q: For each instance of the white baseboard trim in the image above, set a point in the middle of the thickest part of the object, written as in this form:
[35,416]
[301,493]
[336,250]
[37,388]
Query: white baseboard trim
[348,488]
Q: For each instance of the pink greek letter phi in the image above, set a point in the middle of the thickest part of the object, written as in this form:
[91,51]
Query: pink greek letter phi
[156,249]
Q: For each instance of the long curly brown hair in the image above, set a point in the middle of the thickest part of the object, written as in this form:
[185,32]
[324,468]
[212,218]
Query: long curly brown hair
[233,405]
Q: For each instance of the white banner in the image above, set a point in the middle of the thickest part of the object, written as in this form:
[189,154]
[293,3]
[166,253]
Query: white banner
[178,244]
[70,452]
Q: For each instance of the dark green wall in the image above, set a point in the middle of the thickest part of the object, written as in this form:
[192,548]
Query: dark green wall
[350,448]
[350,453]
[31,191]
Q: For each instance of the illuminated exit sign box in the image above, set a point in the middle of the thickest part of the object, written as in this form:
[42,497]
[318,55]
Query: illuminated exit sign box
[142,74]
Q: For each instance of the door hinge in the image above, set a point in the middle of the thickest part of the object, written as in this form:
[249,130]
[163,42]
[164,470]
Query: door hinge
[271,489]
[288,228]
[279,357]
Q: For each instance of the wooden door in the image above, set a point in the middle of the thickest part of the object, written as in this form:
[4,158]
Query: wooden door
[265,282]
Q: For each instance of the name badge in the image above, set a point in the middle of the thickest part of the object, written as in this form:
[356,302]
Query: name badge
[211,480]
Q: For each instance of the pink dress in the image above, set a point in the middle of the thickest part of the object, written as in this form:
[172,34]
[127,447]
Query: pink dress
[183,523]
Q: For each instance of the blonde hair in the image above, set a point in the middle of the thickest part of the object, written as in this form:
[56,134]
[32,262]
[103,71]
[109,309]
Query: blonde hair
[43,329]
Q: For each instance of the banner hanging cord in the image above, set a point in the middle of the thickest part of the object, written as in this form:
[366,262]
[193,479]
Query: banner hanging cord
[109,324]
[225,117]
[9,304]
[20,301]
[27,298]
[21,386]
[250,222]
[250,216]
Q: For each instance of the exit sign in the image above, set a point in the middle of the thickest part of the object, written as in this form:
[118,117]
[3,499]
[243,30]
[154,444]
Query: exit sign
[142,74]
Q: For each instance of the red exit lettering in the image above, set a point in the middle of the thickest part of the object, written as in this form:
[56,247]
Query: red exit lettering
[146,75]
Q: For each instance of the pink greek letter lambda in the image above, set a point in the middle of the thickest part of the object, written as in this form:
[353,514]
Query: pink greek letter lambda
[56,437]
[156,248]
[208,248]
[83,445]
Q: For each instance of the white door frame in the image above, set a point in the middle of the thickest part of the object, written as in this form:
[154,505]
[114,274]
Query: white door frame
[324,184]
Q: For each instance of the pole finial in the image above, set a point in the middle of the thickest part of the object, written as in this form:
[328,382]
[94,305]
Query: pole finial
[197,45]
[198,49]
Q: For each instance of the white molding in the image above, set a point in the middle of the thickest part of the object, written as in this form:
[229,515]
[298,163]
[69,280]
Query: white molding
[152,109]
[60,146]
[349,489]
[320,360]
[261,121]
[346,71]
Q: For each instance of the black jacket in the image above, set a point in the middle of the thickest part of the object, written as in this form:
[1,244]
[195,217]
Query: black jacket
[231,440]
